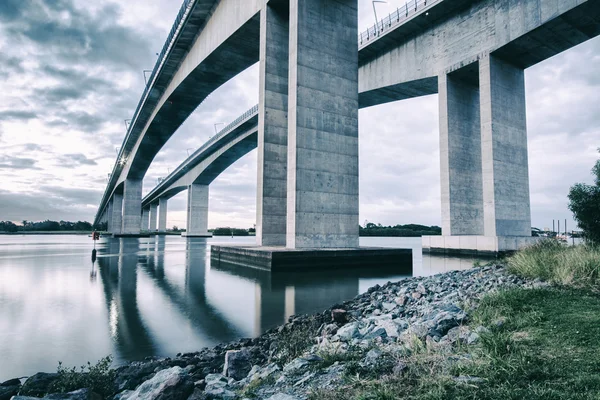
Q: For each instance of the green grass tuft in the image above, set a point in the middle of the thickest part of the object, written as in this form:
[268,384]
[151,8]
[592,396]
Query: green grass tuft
[555,262]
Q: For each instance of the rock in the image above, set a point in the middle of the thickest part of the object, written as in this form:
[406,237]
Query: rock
[217,387]
[295,366]
[400,368]
[237,364]
[168,384]
[376,332]
[11,382]
[197,394]
[339,315]
[81,394]
[416,295]
[347,332]
[38,384]
[388,306]
[401,300]
[263,373]
[372,356]
[282,396]
[6,392]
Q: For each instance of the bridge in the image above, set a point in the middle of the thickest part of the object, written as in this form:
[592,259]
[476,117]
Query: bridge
[314,76]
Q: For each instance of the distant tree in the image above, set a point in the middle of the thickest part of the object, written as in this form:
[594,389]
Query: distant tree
[584,202]
[8,226]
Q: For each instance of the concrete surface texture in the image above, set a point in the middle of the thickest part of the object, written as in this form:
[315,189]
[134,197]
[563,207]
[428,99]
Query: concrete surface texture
[132,207]
[117,213]
[162,214]
[322,195]
[153,217]
[197,211]
[145,224]
[272,126]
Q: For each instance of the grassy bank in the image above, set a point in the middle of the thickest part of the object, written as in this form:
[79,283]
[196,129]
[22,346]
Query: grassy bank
[558,263]
[534,344]
[540,344]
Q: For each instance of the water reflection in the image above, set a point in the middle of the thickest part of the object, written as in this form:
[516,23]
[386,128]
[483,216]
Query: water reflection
[156,297]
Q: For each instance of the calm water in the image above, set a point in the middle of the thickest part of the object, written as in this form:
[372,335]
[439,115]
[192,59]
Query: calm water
[155,297]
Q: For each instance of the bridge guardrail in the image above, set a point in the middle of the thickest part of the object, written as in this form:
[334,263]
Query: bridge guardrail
[395,18]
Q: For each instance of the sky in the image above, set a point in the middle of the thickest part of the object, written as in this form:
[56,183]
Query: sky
[71,72]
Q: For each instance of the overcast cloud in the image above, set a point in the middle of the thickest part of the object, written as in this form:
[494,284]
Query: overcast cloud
[71,73]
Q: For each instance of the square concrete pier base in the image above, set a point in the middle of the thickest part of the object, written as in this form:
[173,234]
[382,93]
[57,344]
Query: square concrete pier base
[131,235]
[280,258]
[208,235]
[478,245]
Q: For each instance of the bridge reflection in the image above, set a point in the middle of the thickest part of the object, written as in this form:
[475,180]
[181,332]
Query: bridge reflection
[217,303]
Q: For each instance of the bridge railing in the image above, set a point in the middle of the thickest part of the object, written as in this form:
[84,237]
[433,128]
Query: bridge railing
[397,17]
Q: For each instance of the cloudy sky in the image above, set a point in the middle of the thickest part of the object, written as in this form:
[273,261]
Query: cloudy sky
[71,73]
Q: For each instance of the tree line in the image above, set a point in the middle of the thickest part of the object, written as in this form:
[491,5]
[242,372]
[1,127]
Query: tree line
[409,230]
[45,226]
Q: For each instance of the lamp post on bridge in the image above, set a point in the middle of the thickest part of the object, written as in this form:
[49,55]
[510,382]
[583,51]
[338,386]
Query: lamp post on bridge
[375,12]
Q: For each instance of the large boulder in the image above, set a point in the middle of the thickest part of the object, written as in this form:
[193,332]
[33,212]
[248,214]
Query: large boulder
[237,364]
[6,392]
[168,384]
[37,385]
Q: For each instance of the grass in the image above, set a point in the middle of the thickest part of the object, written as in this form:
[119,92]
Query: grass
[541,344]
[555,262]
[294,340]
[99,378]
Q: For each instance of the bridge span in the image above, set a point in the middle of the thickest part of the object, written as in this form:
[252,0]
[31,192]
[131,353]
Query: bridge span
[314,76]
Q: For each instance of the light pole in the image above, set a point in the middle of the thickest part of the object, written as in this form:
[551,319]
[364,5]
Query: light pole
[188,151]
[375,11]
[146,79]
[218,123]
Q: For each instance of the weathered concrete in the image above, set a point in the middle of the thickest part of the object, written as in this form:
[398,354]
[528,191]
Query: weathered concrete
[153,217]
[109,216]
[197,211]
[117,213]
[132,207]
[460,152]
[272,126]
[279,258]
[322,195]
[162,215]
[481,245]
[145,224]
[504,149]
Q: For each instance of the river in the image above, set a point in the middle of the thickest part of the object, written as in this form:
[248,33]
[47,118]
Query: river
[156,297]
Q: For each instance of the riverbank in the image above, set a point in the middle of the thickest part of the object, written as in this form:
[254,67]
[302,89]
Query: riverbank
[479,333]
[46,233]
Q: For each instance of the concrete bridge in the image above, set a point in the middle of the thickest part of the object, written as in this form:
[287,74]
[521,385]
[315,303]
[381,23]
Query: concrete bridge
[314,76]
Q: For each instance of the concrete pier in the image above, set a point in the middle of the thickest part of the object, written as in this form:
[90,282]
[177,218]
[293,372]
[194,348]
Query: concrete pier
[116,211]
[144,225]
[322,181]
[272,125]
[162,215]
[132,207]
[109,218]
[153,217]
[197,211]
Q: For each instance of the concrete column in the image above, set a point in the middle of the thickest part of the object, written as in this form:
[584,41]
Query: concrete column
[109,212]
[197,211]
[504,149]
[145,219]
[153,217]
[117,213]
[132,207]
[162,214]
[322,195]
[460,153]
[272,127]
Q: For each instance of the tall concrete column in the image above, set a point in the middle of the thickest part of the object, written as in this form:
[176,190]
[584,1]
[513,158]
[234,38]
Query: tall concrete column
[504,149]
[153,217]
[162,214]
[117,213]
[197,211]
[109,213]
[322,195]
[132,207]
[145,219]
[272,126]
[460,152]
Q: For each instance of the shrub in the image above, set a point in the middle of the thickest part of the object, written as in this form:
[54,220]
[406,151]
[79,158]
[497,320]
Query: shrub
[99,378]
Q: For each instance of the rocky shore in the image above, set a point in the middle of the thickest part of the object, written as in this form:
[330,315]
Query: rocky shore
[372,335]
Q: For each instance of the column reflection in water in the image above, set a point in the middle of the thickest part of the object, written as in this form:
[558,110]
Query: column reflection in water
[118,274]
